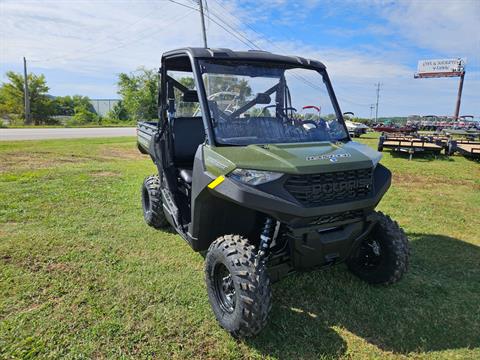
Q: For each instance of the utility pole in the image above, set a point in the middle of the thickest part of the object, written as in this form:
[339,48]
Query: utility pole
[459,96]
[26,95]
[200,3]
[372,106]
[378,96]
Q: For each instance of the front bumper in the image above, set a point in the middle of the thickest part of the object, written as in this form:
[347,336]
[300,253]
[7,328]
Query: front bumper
[286,209]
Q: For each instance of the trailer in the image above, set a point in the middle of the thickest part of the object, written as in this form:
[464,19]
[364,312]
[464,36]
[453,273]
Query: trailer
[467,148]
[409,145]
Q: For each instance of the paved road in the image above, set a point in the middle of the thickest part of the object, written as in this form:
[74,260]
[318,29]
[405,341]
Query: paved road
[62,133]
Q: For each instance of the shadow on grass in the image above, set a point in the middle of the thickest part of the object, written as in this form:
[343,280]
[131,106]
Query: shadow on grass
[365,137]
[473,158]
[421,156]
[435,307]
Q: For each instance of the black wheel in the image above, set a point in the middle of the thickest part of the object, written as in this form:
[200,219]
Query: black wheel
[382,257]
[238,286]
[152,203]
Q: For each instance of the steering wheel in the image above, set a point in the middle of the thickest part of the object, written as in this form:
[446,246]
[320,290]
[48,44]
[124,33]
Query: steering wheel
[285,109]
[274,106]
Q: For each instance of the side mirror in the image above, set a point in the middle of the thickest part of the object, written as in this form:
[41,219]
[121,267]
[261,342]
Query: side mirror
[263,98]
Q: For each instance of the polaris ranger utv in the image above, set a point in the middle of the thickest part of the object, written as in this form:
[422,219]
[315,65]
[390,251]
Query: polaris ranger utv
[258,190]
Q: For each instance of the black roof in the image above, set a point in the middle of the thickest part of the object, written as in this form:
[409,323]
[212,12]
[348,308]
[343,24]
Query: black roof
[259,55]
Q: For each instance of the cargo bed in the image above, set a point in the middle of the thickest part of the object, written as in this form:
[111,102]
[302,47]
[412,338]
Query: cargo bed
[145,131]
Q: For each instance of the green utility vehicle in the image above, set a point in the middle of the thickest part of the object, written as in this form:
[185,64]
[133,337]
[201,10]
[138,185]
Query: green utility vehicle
[256,188]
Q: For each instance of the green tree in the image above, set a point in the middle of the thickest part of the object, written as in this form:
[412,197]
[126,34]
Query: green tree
[118,113]
[185,108]
[139,91]
[65,105]
[223,83]
[12,97]
[83,116]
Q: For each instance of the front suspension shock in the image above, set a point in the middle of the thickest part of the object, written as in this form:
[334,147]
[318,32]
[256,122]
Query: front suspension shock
[266,238]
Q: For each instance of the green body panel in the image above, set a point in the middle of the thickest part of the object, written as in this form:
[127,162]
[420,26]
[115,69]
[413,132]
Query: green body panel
[215,163]
[297,158]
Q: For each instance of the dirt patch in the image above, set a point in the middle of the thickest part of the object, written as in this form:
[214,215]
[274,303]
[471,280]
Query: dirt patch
[57,267]
[126,153]
[35,160]
[23,160]
[413,180]
[101,173]
[36,265]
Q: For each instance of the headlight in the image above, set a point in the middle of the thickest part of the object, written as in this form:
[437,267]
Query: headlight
[254,177]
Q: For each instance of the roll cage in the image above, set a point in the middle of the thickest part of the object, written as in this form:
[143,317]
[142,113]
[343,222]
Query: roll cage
[187,60]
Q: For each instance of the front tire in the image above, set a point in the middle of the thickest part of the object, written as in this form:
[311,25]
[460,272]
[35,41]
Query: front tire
[152,203]
[382,257]
[238,286]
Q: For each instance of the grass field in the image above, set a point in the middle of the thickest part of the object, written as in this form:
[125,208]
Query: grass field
[82,276]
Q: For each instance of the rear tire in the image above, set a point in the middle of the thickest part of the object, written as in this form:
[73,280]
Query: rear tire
[238,286]
[382,257]
[152,203]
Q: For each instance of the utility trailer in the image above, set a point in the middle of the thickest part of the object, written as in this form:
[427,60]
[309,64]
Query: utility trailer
[467,148]
[409,145]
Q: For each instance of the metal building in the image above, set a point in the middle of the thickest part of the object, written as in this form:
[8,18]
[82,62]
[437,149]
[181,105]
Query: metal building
[103,106]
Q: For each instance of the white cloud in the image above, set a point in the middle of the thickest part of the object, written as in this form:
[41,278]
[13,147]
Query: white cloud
[97,36]
[449,27]
[98,39]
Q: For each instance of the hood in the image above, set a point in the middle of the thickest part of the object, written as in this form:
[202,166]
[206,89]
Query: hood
[301,158]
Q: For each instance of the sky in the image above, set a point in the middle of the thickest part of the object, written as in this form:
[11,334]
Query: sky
[82,45]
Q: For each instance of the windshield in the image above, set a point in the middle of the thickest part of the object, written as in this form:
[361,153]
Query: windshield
[258,104]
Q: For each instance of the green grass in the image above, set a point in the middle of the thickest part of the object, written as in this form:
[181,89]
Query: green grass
[82,276]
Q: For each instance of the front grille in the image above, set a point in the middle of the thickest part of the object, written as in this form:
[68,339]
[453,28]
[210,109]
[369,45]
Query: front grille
[331,188]
[334,218]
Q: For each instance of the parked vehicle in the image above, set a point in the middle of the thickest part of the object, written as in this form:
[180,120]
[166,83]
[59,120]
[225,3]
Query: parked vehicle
[355,129]
[258,191]
[384,128]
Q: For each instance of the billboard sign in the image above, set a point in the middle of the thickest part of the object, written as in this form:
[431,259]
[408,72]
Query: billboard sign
[440,68]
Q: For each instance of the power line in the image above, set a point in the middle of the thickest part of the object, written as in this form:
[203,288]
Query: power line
[136,39]
[184,5]
[214,21]
[252,44]
[240,21]
[218,17]
[300,77]
[99,41]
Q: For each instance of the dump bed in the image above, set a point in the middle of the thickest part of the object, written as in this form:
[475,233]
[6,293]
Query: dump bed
[145,131]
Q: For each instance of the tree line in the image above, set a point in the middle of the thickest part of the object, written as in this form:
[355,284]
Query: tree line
[138,101]
[138,93]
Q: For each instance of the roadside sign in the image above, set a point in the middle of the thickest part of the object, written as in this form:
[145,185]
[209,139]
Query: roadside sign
[440,68]
[444,68]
